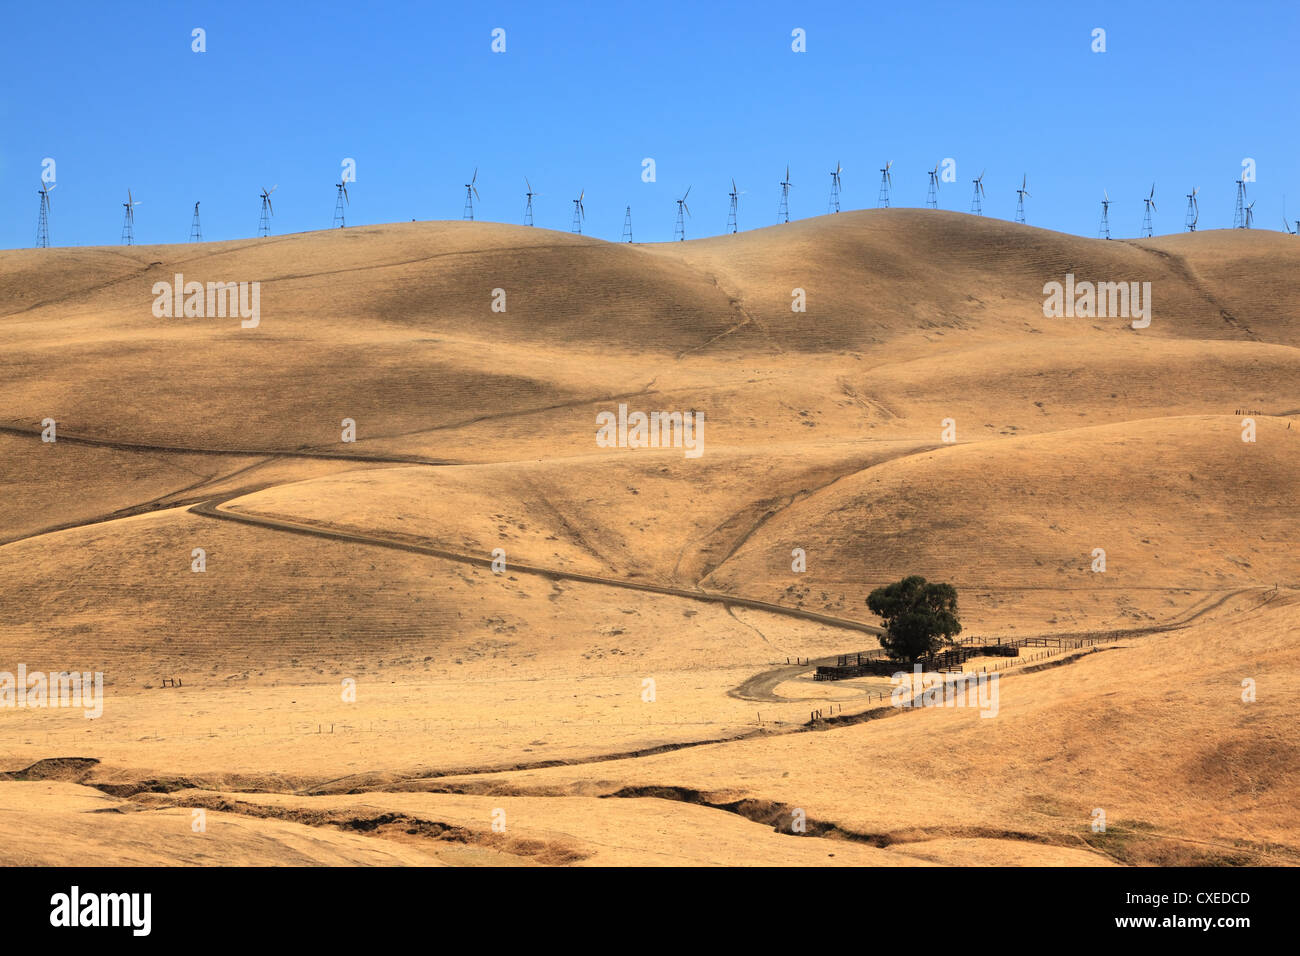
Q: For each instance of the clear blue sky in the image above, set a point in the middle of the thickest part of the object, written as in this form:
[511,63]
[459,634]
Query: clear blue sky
[584,92]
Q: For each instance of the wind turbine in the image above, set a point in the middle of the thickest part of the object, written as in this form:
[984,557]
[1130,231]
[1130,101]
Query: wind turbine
[1250,213]
[196,233]
[1239,216]
[339,218]
[886,181]
[1286,223]
[1150,202]
[43,227]
[932,196]
[735,195]
[264,223]
[679,230]
[834,205]
[128,222]
[528,210]
[1103,231]
[579,213]
[1021,193]
[977,203]
[783,211]
[471,193]
[1193,210]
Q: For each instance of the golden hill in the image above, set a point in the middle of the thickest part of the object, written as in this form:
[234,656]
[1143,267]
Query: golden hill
[921,416]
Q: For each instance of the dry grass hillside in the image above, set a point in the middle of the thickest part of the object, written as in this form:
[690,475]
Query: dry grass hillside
[648,639]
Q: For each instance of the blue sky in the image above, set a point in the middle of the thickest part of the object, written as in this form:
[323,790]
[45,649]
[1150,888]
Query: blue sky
[585,92]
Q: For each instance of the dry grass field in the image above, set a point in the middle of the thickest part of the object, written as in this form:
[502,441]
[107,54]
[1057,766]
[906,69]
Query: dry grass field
[358,684]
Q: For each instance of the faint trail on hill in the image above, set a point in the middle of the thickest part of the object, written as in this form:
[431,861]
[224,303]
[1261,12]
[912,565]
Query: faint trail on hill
[1193,613]
[495,416]
[211,508]
[721,335]
[162,502]
[746,317]
[232,452]
[1179,265]
[131,511]
[142,270]
[552,246]
[865,402]
[800,496]
[565,525]
[732,611]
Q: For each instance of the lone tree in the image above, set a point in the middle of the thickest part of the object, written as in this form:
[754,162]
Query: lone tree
[919,617]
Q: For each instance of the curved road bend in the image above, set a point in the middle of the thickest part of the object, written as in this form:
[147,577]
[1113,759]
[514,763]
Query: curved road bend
[212,508]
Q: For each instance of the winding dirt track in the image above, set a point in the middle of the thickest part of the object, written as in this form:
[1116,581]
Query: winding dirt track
[211,508]
[760,687]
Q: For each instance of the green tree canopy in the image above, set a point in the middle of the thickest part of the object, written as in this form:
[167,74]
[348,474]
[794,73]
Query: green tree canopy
[919,617]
